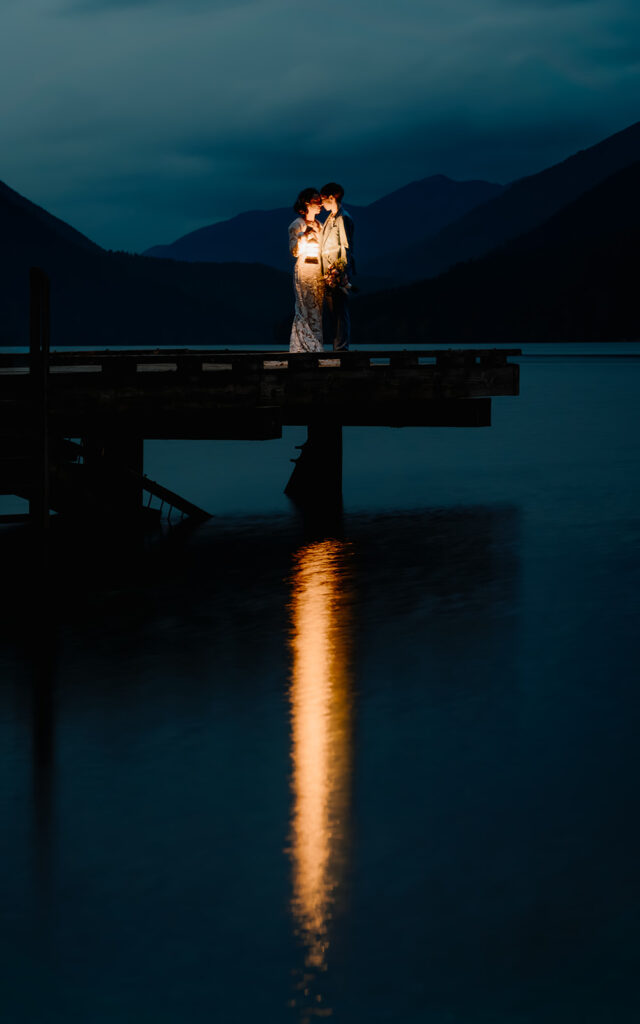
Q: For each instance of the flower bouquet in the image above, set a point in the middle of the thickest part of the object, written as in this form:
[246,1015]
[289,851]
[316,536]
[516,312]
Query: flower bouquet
[336,277]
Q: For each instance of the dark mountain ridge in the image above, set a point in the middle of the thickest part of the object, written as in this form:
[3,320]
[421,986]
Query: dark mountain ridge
[518,209]
[422,207]
[36,222]
[573,278]
[112,298]
[571,275]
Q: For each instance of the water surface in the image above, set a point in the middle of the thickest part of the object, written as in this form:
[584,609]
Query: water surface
[380,768]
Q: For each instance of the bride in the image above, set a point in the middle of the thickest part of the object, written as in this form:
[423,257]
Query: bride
[304,244]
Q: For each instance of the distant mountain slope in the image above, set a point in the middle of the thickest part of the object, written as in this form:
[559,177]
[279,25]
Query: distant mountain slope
[573,278]
[523,205]
[420,208]
[22,217]
[103,298]
[254,235]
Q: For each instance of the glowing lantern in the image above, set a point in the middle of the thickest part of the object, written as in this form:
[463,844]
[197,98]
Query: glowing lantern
[309,248]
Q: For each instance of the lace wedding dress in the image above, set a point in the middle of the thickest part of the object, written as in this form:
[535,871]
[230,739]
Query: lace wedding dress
[306,332]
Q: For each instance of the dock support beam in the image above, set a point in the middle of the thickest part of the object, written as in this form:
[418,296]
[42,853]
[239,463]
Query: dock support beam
[114,465]
[317,474]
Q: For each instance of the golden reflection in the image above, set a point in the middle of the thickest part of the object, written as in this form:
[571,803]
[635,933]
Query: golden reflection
[321,725]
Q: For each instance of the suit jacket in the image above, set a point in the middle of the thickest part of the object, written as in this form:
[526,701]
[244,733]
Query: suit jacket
[336,241]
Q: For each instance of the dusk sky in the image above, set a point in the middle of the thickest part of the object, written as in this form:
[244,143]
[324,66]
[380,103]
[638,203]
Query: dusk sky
[139,120]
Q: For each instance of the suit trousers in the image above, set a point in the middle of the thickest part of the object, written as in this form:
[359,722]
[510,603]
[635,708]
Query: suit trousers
[337,319]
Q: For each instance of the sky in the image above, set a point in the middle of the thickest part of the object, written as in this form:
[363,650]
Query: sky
[137,121]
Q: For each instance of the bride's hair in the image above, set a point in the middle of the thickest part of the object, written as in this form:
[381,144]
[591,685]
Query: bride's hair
[304,198]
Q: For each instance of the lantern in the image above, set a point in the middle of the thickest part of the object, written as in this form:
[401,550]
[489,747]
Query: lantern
[309,248]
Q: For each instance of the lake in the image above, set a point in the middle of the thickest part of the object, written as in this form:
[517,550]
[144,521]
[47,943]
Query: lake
[381,768]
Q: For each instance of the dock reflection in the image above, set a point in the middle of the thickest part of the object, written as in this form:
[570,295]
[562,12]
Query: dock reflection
[321,700]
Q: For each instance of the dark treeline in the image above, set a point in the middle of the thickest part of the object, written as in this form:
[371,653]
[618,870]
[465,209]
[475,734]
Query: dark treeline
[102,298]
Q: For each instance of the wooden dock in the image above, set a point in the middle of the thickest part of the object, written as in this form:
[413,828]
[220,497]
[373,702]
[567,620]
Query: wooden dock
[113,400]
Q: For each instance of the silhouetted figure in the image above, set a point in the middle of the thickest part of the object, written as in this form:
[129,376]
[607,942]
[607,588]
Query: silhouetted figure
[336,255]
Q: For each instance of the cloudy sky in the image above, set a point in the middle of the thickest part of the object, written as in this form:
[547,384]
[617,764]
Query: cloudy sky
[139,120]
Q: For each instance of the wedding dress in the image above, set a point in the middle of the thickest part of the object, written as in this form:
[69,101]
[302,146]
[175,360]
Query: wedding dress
[306,332]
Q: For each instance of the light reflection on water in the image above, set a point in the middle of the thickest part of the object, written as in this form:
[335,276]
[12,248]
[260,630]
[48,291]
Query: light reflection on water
[483,611]
[321,702]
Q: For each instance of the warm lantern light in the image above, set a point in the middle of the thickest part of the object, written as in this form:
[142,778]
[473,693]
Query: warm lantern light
[309,247]
[321,722]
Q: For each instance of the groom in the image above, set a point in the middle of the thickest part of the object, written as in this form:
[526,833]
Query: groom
[336,243]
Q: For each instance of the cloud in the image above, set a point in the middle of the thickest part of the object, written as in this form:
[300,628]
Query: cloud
[141,119]
[179,6]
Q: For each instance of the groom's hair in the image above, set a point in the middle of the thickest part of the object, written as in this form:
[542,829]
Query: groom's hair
[332,189]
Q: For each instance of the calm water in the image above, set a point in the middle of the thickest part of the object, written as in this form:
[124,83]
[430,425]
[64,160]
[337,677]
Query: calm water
[381,771]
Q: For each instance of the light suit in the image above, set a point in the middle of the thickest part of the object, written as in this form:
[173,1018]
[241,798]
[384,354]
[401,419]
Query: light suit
[336,243]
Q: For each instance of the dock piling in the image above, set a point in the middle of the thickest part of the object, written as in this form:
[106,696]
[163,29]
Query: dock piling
[317,474]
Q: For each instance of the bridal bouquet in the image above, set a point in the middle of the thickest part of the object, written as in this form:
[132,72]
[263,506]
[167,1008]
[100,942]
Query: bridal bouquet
[336,276]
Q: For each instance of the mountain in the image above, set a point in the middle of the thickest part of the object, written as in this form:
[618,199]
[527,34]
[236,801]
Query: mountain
[563,267]
[422,207]
[104,298]
[572,278]
[256,235]
[35,225]
[519,208]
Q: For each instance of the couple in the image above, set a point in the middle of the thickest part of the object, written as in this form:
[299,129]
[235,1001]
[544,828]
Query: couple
[324,264]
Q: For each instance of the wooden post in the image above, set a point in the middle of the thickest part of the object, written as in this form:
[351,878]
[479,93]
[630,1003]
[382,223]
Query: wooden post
[39,344]
[115,465]
[127,452]
[317,475]
[43,752]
